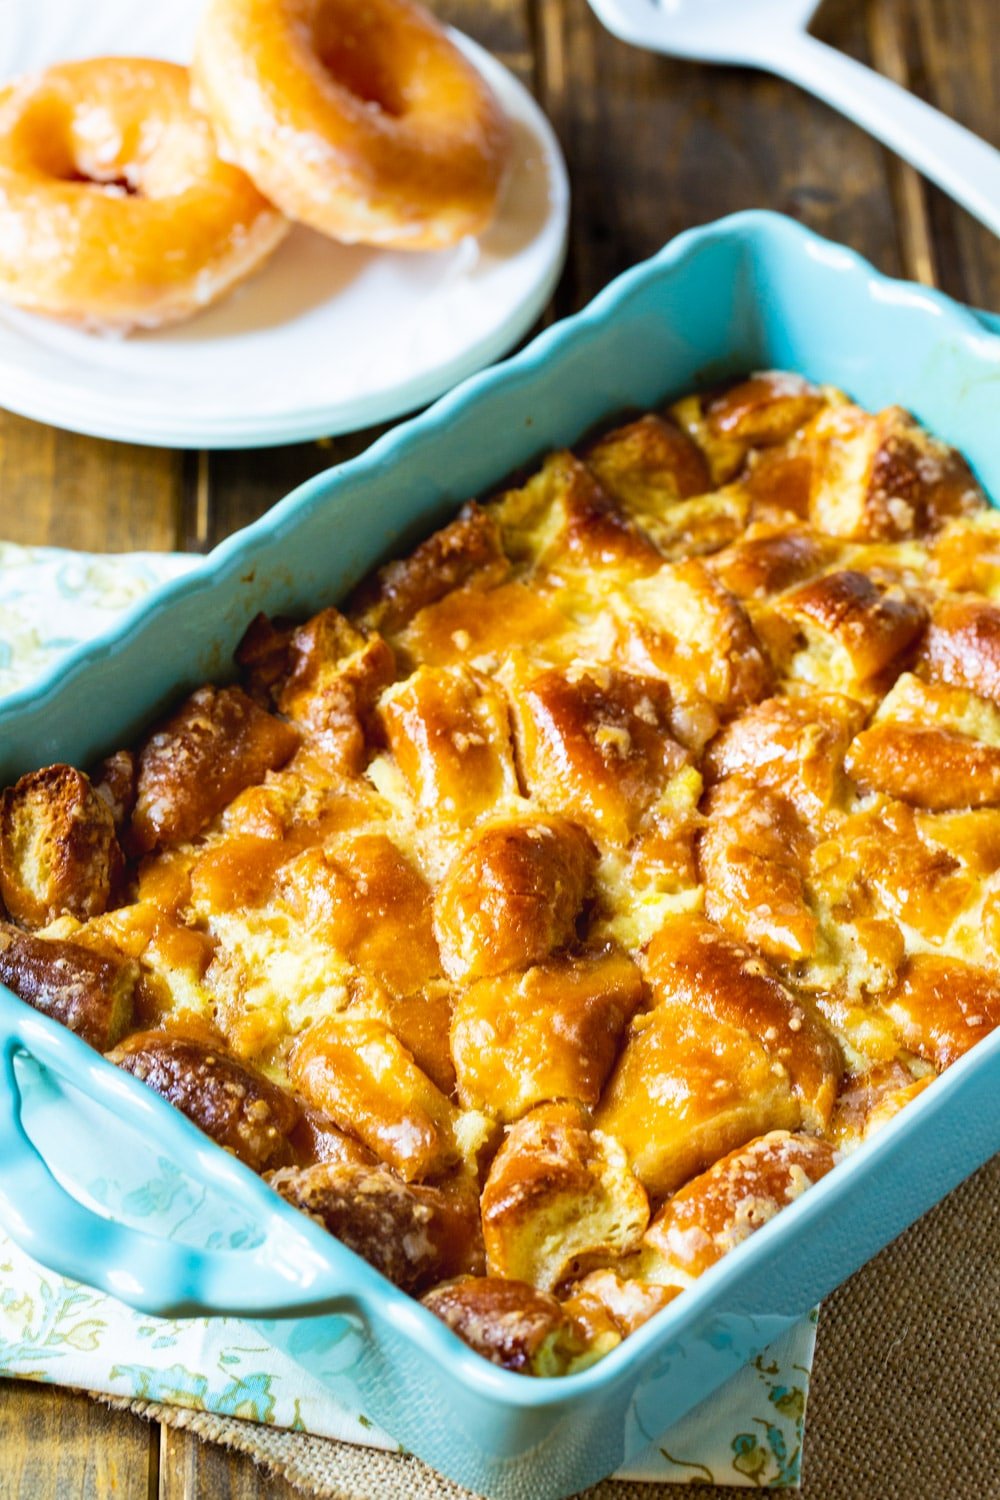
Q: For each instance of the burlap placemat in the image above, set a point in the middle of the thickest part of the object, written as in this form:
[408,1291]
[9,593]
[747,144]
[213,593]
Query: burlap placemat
[905,1399]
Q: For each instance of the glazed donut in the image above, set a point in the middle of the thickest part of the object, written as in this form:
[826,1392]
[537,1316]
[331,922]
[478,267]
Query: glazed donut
[115,209]
[358,117]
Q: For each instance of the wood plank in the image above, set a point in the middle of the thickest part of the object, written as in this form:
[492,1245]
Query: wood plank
[888,34]
[56,1443]
[193,1470]
[63,490]
[657,145]
[955,63]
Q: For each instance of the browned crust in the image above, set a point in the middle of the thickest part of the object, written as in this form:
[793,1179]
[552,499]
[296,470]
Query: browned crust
[415,1235]
[962,646]
[738,1195]
[466,550]
[767,408]
[239,1108]
[217,743]
[58,850]
[512,895]
[551,1032]
[795,745]
[507,1322]
[559,1199]
[753,855]
[927,766]
[325,676]
[692,963]
[873,624]
[882,478]
[89,993]
[652,455]
[598,745]
[360,1075]
[114,780]
[942,1007]
[769,561]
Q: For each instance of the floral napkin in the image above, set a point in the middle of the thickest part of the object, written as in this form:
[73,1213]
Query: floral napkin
[749,1433]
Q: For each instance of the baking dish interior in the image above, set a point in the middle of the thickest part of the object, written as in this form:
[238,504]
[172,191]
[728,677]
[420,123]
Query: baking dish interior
[750,292]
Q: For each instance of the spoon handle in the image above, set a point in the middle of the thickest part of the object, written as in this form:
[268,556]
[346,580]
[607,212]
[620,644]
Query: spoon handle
[960,162]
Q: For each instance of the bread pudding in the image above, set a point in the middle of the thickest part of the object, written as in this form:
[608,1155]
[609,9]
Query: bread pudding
[546,920]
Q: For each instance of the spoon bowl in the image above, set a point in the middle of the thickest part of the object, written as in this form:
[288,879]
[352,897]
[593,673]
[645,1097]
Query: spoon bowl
[718,31]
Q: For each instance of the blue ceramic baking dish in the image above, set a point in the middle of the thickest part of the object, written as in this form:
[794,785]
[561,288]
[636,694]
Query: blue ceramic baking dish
[751,291]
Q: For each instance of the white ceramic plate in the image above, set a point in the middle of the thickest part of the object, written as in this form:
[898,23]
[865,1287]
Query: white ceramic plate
[326,338]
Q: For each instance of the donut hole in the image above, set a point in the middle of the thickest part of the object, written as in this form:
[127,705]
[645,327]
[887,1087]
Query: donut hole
[353,62]
[53,143]
[120,185]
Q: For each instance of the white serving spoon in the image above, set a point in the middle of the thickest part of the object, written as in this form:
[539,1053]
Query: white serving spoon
[771,34]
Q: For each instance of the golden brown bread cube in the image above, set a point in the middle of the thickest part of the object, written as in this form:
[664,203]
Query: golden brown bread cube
[559,1199]
[648,464]
[234,1104]
[514,1326]
[625,1301]
[882,477]
[359,1074]
[932,768]
[448,731]
[58,849]
[723,1206]
[701,525]
[549,1033]
[477,627]
[218,742]
[325,676]
[415,1235]
[854,628]
[767,559]
[883,861]
[262,656]
[795,745]
[594,744]
[659,477]
[563,519]
[361,894]
[88,992]
[778,482]
[512,895]
[691,965]
[965,553]
[688,1088]
[870,1099]
[753,856]
[684,625]
[237,873]
[765,409]
[961,646]
[420,1020]
[934,746]
[466,551]
[941,1007]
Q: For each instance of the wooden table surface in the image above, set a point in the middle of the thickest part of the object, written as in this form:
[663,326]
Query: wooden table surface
[653,147]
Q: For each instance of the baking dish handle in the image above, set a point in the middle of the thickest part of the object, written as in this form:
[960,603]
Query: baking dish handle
[285,1276]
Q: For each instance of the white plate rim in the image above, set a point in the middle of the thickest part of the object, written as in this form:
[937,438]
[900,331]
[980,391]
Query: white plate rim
[66,407]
